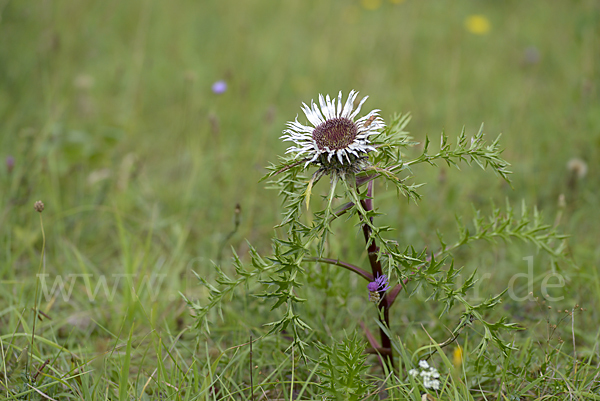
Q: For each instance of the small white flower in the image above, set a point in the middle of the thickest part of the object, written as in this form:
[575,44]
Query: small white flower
[428,374]
[334,134]
[431,383]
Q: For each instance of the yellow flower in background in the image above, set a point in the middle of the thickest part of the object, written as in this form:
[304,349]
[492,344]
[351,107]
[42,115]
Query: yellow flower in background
[370,4]
[478,24]
[457,356]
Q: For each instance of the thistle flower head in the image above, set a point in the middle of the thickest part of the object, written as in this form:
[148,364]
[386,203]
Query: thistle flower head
[335,139]
[38,206]
[375,287]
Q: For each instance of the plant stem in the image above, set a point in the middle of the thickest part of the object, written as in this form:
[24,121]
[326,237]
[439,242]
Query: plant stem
[37,282]
[373,251]
[364,274]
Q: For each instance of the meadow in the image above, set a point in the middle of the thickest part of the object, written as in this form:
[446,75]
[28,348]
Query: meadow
[148,176]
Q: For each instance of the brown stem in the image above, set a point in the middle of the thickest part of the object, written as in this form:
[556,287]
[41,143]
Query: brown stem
[373,251]
[362,180]
[40,369]
[379,350]
[341,210]
[364,274]
[391,296]
[393,293]
[374,344]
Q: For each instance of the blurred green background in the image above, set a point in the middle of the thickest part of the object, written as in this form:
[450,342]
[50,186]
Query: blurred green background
[107,108]
[87,83]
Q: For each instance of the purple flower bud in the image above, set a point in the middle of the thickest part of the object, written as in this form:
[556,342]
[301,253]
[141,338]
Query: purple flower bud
[379,285]
[10,163]
[219,87]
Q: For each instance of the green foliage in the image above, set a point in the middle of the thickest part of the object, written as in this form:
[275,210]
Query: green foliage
[470,151]
[343,369]
[218,295]
[107,110]
[286,274]
[504,225]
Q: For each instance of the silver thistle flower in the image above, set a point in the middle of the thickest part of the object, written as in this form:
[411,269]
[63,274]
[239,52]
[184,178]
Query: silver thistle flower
[336,138]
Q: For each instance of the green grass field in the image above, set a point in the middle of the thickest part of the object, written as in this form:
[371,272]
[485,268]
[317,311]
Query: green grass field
[107,109]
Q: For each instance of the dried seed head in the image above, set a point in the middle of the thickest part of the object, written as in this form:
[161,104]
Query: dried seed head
[577,167]
[39,206]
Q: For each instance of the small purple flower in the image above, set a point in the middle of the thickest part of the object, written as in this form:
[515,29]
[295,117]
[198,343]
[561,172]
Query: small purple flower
[379,285]
[219,87]
[10,163]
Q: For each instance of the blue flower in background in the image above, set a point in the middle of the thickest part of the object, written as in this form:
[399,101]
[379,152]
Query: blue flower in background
[219,87]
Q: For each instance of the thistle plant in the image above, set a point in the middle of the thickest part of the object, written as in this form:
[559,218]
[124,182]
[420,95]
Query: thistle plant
[353,153]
